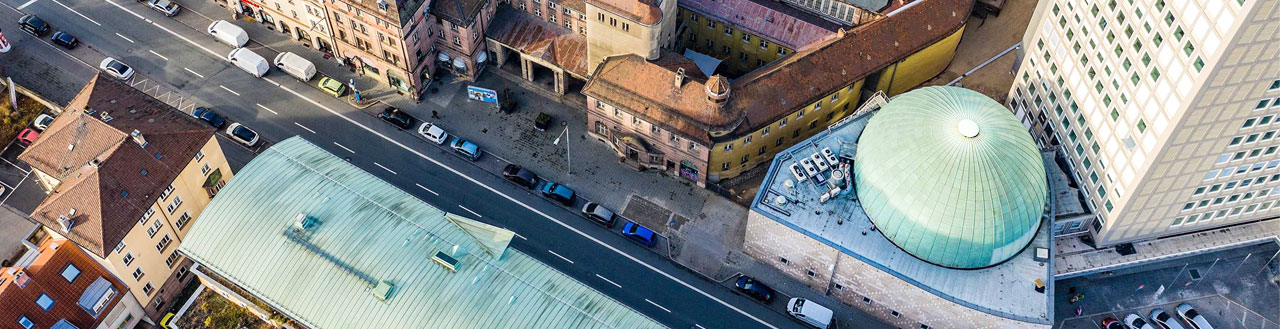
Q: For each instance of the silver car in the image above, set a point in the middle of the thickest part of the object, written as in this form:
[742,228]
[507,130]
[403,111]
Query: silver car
[242,134]
[166,7]
[116,68]
[1163,320]
[1193,318]
[433,133]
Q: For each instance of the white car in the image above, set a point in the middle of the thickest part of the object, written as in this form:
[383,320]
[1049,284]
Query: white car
[1163,320]
[166,7]
[1193,318]
[242,134]
[42,122]
[1136,322]
[116,68]
[433,133]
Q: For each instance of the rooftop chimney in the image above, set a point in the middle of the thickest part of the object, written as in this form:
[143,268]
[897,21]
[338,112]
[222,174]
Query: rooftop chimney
[137,137]
[679,77]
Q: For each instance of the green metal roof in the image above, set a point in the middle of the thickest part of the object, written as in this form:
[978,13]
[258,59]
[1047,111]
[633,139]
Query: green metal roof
[951,177]
[332,246]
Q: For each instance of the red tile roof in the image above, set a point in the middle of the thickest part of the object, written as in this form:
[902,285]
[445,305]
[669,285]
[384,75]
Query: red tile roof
[647,12]
[44,276]
[773,20]
[649,91]
[111,196]
[541,39]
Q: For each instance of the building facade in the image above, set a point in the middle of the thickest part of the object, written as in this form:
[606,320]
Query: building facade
[852,12]
[747,34]
[127,175]
[619,27]
[304,21]
[1164,109]
[60,286]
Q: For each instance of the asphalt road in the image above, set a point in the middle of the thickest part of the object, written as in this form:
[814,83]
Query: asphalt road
[176,53]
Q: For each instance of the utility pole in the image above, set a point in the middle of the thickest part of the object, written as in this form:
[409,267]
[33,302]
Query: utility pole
[568,156]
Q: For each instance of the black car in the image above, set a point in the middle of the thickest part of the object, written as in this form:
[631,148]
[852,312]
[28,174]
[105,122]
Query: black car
[208,116]
[65,40]
[750,287]
[521,176]
[33,25]
[396,117]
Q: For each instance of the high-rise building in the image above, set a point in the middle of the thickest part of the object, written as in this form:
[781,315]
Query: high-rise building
[1163,108]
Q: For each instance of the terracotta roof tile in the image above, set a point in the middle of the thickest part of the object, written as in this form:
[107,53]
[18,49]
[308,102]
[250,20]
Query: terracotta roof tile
[44,276]
[539,38]
[773,20]
[647,12]
[649,90]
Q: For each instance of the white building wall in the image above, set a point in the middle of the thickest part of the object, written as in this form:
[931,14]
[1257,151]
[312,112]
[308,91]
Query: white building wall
[126,314]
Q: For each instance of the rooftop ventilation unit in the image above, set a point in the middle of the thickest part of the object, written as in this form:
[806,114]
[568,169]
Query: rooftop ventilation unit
[780,200]
[67,223]
[383,290]
[817,160]
[105,116]
[795,171]
[808,167]
[448,262]
[138,138]
[830,156]
[304,222]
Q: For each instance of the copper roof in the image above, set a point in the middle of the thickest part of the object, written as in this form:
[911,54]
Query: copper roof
[649,91]
[112,195]
[538,38]
[647,12]
[44,276]
[770,19]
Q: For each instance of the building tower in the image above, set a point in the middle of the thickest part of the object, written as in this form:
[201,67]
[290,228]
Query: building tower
[1164,110]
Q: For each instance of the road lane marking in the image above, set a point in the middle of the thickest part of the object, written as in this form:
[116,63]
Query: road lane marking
[334,143]
[190,71]
[699,326]
[153,52]
[427,189]
[615,284]
[561,257]
[309,129]
[470,211]
[656,304]
[127,10]
[123,37]
[229,90]
[393,172]
[72,10]
[518,235]
[26,4]
[274,112]
[15,187]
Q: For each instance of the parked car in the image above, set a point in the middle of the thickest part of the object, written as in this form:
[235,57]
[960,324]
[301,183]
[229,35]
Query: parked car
[433,133]
[209,116]
[1163,320]
[599,214]
[1112,323]
[228,33]
[42,122]
[810,313]
[520,176]
[1136,322]
[116,68]
[242,134]
[28,136]
[33,25]
[397,118]
[166,7]
[1193,318]
[467,149]
[559,192]
[332,87]
[750,287]
[640,233]
[65,40]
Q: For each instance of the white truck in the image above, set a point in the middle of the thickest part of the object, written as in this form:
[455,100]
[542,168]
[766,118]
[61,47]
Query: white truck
[249,61]
[295,66]
[228,33]
[810,313]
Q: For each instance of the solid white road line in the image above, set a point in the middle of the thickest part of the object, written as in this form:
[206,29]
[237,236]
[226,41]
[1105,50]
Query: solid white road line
[393,172]
[699,326]
[470,211]
[15,166]
[127,10]
[123,37]
[518,235]
[334,143]
[615,284]
[26,4]
[153,52]
[229,90]
[656,304]
[427,189]
[190,71]
[274,112]
[309,129]
[74,11]
[561,257]
[15,187]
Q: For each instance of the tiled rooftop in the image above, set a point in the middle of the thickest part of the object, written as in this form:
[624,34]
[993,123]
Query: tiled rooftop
[539,38]
[773,20]
[647,12]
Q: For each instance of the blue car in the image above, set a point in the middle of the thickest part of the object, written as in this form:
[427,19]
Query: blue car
[467,149]
[208,116]
[639,233]
[558,192]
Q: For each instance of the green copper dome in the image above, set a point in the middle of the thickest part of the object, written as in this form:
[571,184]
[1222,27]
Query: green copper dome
[951,177]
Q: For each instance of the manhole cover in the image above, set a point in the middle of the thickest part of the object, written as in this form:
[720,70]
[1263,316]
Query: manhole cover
[1195,274]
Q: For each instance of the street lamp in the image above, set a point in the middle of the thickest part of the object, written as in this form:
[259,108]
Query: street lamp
[568,157]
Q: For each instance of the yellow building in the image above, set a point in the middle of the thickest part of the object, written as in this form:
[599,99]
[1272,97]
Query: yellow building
[774,30]
[619,27]
[127,175]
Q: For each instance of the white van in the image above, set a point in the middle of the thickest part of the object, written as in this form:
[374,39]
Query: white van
[810,313]
[228,33]
[249,61]
[295,66]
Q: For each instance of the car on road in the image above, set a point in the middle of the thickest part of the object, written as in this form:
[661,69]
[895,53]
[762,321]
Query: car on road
[166,7]
[599,214]
[750,287]
[520,176]
[210,117]
[242,134]
[1163,320]
[42,122]
[433,133]
[559,192]
[34,25]
[66,40]
[467,149]
[810,313]
[116,68]
[332,87]
[28,136]
[640,233]
[1136,322]
[1193,318]
[1112,323]
[397,118]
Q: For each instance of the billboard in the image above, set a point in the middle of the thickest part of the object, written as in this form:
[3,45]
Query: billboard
[481,94]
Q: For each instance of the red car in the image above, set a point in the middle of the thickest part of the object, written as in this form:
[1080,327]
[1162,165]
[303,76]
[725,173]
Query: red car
[28,136]
[1113,323]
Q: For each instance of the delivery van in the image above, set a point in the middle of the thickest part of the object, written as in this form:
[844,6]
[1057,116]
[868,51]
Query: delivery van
[248,61]
[228,33]
[810,313]
[295,66]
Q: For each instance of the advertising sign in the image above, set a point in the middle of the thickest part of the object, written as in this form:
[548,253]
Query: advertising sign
[480,94]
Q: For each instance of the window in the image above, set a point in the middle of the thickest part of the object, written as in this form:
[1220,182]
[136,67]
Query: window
[866,300]
[155,227]
[199,155]
[811,273]
[165,195]
[724,166]
[148,289]
[164,243]
[172,260]
[45,302]
[745,158]
[177,201]
[783,260]
[119,246]
[70,272]
[895,314]
[138,274]
[25,322]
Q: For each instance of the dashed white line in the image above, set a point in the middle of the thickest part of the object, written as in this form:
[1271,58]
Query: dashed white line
[153,52]
[313,131]
[123,37]
[127,10]
[334,143]
[561,257]
[615,284]
[699,326]
[427,189]
[274,112]
[470,211]
[518,235]
[229,90]
[74,11]
[192,72]
[26,4]
[393,172]
[656,304]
